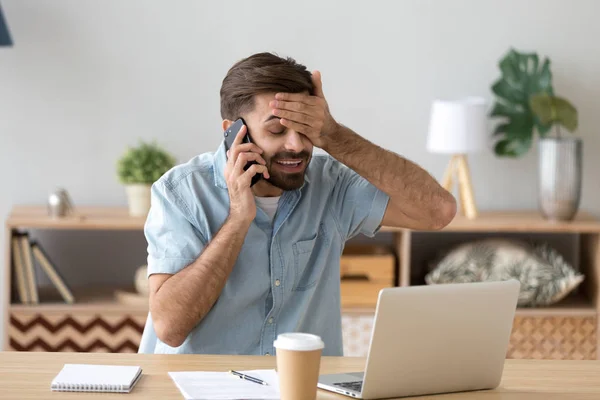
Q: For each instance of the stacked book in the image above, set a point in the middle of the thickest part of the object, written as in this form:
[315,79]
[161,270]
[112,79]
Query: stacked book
[26,253]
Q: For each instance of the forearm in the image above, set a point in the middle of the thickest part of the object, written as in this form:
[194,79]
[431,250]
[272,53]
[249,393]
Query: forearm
[186,297]
[410,187]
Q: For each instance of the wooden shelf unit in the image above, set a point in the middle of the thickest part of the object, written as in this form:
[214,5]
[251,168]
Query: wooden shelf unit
[569,329]
[97,322]
[577,314]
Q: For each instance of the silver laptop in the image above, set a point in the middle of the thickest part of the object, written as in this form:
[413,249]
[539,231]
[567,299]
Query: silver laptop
[434,339]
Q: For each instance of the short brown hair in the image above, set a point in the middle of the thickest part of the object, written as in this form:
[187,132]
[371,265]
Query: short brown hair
[257,74]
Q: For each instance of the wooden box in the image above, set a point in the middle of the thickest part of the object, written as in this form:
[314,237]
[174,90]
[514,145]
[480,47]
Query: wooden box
[364,271]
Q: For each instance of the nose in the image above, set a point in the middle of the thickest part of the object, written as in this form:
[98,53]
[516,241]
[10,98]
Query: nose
[293,142]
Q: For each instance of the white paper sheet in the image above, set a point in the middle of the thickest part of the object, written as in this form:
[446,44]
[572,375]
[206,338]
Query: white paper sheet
[206,385]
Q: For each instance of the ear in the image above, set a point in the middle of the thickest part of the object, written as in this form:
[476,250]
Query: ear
[226,124]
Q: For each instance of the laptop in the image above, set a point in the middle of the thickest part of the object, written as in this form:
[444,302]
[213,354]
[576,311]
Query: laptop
[434,339]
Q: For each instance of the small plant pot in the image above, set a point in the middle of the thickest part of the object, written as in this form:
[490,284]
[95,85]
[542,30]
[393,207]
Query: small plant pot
[138,198]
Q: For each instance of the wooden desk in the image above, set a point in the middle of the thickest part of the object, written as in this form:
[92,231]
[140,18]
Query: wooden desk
[28,376]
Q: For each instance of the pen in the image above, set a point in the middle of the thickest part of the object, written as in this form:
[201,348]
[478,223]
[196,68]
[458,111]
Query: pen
[248,378]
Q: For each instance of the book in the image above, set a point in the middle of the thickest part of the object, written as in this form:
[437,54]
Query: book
[19,270]
[29,269]
[96,378]
[49,268]
[207,385]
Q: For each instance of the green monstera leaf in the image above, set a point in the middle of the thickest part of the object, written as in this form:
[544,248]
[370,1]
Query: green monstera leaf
[522,77]
[554,109]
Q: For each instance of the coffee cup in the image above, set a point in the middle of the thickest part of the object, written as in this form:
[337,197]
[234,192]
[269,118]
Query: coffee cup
[298,363]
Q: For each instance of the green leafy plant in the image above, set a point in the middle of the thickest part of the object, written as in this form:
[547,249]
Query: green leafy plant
[526,103]
[522,76]
[144,164]
[554,110]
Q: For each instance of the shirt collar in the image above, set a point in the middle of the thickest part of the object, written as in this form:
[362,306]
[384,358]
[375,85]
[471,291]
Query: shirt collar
[219,161]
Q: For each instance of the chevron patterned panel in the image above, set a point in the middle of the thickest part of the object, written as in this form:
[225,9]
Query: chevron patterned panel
[562,338]
[76,332]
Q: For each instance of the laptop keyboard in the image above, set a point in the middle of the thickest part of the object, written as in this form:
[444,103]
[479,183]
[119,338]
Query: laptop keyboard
[356,385]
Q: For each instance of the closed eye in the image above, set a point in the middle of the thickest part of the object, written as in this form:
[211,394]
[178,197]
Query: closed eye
[274,123]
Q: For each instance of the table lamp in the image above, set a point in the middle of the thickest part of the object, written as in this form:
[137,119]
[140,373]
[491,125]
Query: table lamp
[459,127]
[5,39]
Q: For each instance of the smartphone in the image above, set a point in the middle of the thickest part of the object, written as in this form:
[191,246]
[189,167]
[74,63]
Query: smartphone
[230,135]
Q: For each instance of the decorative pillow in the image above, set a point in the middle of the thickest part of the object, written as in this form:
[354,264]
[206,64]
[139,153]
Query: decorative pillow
[544,275]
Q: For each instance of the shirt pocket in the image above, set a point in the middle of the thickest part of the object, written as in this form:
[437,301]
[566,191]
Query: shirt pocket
[306,261]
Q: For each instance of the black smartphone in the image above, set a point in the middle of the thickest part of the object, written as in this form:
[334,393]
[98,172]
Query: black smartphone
[230,135]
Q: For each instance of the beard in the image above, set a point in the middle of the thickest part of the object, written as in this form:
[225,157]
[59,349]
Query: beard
[287,180]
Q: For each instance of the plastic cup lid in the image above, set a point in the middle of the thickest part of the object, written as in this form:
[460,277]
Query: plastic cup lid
[298,341]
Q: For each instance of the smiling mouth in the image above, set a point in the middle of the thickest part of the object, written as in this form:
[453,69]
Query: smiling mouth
[290,163]
[291,166]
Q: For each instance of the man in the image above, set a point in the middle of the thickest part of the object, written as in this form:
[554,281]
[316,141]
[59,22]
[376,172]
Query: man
[226,276]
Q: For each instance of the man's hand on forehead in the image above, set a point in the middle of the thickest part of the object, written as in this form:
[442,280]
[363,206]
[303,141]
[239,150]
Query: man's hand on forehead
[306,114]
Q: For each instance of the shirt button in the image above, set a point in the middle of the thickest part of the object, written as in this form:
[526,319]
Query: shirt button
[277,282]
[271,320]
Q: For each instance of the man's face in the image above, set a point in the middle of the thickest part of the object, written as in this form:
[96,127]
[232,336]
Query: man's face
[286,152]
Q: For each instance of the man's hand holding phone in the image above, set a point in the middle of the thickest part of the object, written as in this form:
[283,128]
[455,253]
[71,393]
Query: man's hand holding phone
[241,199]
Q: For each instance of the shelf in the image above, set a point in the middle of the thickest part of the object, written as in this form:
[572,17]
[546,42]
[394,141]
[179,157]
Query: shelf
[105,299]
[85,218]
[518,221]
[358,310]
[117,218]
[573,306]
[102,300]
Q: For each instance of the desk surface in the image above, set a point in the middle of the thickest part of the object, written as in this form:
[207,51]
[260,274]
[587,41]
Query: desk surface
[28,376]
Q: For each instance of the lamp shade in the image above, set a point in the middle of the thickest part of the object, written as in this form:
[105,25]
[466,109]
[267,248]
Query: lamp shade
[458,126]
[5,39]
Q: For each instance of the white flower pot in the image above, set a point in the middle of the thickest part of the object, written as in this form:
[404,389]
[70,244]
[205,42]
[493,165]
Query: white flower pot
[138,198]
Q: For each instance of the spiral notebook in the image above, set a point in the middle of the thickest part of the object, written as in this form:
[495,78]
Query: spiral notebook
[96,378]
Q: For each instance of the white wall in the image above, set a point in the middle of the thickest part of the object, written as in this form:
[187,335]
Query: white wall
[85,79]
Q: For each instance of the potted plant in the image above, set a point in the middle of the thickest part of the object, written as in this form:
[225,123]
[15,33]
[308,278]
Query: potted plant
[526,104]
[138,169]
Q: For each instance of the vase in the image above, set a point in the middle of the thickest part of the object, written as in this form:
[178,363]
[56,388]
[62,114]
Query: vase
[138,198]
[560,166]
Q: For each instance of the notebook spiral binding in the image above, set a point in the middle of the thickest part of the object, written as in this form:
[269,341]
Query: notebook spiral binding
[69,387]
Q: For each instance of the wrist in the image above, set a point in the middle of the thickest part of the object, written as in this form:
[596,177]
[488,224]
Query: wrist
[338,140]
[239,220]
[329,140]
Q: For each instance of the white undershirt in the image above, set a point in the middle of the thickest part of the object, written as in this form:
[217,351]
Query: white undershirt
[268,205]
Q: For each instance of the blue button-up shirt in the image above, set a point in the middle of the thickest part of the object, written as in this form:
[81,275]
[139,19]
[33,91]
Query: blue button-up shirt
[287,275]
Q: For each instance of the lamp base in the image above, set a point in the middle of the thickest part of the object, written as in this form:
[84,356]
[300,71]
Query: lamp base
[458,168]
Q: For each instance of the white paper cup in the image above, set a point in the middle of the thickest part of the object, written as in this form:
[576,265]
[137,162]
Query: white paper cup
[298,365]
